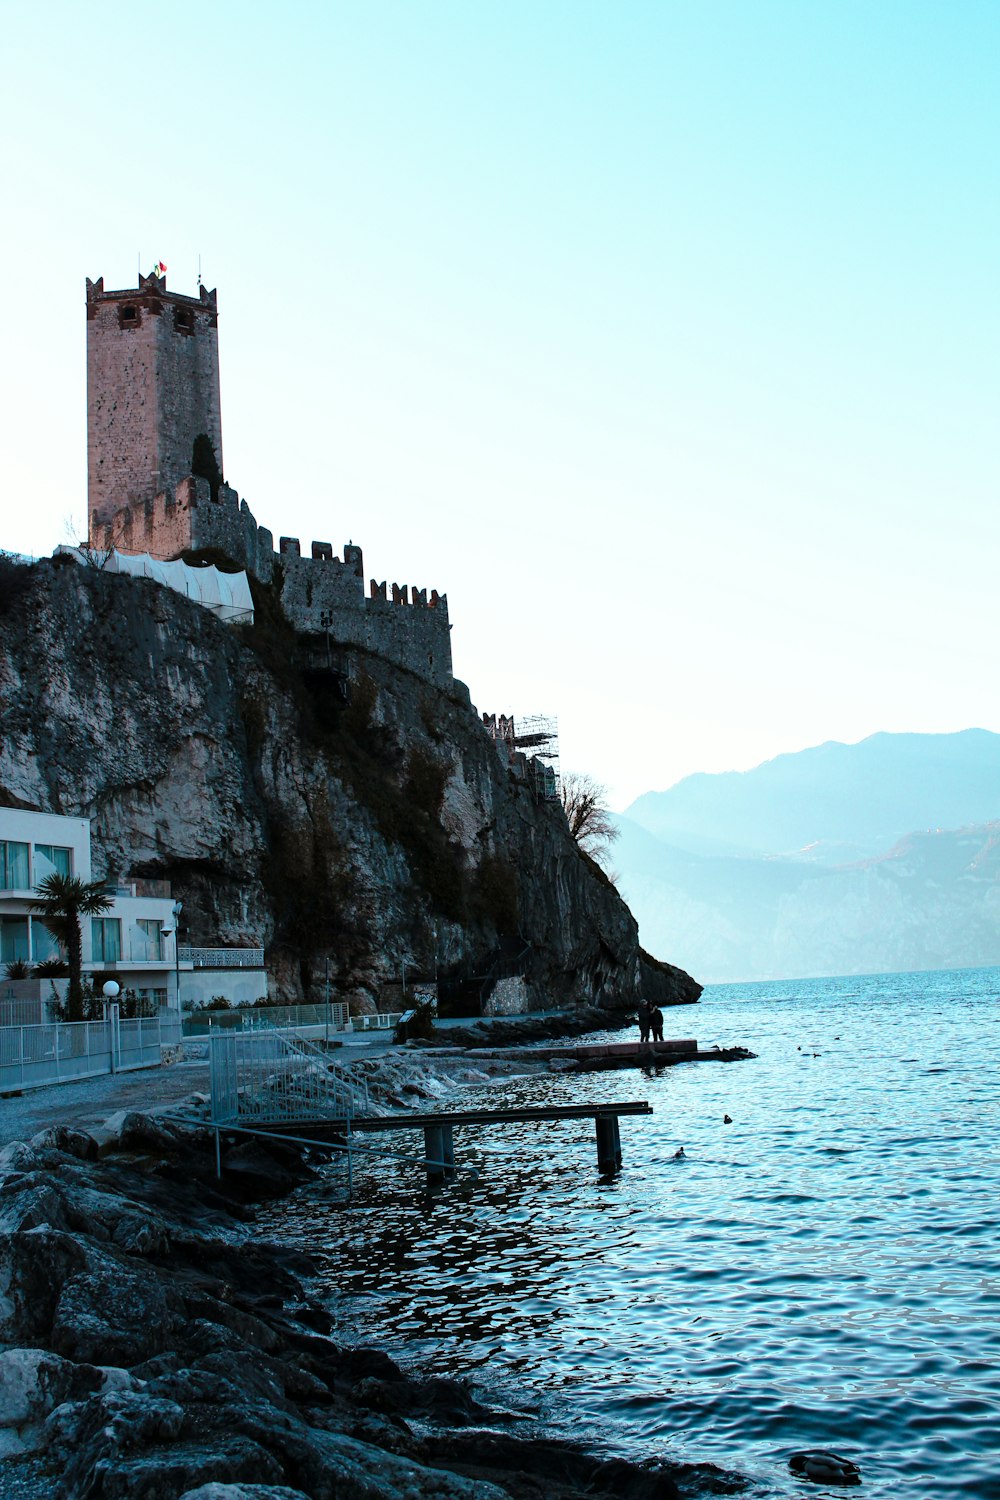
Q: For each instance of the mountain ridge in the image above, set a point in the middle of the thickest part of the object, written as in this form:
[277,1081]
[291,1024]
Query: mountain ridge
[866,795]
[867,897]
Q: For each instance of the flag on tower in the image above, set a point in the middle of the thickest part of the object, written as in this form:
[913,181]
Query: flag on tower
[159,269]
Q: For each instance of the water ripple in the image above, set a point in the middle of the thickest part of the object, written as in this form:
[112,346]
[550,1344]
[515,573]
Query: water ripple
[821,1273]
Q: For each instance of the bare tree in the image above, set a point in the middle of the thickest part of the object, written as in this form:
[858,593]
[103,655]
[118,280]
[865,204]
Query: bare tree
[89,552]
[585,802]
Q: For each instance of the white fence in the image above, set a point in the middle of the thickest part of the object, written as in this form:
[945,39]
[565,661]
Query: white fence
[31,1056]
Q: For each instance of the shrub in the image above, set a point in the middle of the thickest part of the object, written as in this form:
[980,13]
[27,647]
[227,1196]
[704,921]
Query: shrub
[16,578]
[205,464]
[52,968]
[215,557]
[18,968]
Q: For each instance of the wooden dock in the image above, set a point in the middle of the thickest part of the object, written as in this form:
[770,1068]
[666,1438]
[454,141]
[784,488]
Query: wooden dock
[439,1129]
[615,1054]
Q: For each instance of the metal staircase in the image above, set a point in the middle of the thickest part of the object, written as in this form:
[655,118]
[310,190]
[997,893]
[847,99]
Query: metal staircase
[270,1076]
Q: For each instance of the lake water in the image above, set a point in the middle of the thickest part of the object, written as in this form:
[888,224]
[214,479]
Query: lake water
[823,1272]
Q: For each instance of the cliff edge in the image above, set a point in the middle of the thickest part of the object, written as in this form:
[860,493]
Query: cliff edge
[328,805]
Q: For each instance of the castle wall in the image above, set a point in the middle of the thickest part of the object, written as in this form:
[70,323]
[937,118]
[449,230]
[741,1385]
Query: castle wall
[161,526]
[323,592]
[228,524]
[311,587]
[415,635]
[152,388]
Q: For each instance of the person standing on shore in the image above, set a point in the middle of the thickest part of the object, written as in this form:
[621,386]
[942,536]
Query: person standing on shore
[643,1022]
[656,1022]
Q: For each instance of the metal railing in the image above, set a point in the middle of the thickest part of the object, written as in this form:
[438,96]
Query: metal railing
[247,1018]
[222,958]
[135,950]
[31,1056]
[384,1021]
[270,1076]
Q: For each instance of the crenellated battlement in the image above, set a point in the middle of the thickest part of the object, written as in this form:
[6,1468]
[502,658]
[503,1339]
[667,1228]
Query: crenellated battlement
[407,594]
[153,415]
[530,748]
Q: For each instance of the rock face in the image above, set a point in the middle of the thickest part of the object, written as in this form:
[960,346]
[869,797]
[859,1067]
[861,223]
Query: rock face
[346,812]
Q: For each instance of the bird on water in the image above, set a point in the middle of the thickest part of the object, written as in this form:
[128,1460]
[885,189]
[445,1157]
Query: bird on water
[823,1467]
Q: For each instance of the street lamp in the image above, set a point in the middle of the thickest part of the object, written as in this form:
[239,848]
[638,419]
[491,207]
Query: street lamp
[111,990]
[175,933]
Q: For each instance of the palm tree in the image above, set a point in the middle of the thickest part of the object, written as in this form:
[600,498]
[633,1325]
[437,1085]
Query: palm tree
[62,901]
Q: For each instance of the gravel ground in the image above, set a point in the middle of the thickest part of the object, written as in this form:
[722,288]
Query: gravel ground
[90,1102]
[26,1478]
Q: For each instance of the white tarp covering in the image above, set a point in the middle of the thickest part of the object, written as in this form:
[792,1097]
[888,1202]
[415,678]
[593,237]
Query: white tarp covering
[225,594]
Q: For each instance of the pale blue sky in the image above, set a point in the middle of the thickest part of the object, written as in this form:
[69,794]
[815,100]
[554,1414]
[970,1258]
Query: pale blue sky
[662,337]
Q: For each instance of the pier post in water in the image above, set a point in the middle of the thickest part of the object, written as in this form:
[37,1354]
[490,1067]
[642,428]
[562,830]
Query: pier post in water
[434,1152]
[448,1150]
[609,1146]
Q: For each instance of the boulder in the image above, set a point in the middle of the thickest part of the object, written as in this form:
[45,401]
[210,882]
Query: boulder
[64,1138]
[33,1382]
[112,1314]
[17,1156]
[255,1170]
[215,1491]
[34,1264]
[144,1133]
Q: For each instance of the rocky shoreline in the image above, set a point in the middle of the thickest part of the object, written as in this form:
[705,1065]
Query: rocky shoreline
[153,1347]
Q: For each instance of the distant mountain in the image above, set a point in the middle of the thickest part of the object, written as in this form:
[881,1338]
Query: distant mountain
[843,859]
[931,902]
[834,803]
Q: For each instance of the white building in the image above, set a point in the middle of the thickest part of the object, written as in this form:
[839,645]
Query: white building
[135,941]
[129,942]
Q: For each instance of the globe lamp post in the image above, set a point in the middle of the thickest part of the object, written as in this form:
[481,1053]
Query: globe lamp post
[111,990]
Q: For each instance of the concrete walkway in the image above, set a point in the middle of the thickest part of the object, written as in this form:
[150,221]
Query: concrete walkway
[90,1102]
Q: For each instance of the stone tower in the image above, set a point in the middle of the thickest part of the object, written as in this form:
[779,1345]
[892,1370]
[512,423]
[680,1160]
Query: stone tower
[152,389]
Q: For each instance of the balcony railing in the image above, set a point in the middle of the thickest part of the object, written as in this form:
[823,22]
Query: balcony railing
[134,950]
[222,958]
[137,951]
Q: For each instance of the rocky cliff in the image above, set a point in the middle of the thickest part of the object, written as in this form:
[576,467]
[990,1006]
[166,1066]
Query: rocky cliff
[329,808]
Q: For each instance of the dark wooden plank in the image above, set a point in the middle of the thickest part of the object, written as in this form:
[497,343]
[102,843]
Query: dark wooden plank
[370,1123]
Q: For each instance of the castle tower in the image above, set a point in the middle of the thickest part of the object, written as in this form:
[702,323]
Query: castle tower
[152,389]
